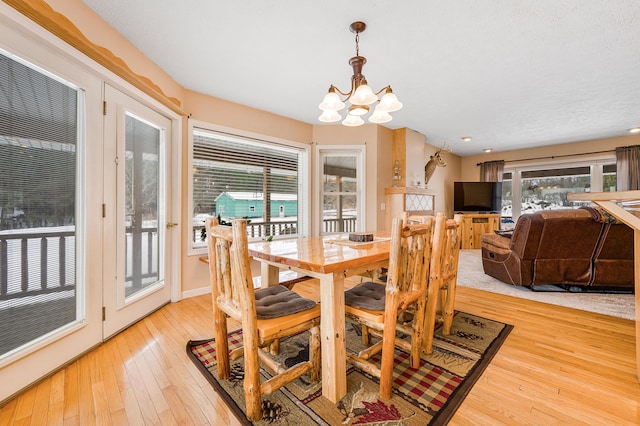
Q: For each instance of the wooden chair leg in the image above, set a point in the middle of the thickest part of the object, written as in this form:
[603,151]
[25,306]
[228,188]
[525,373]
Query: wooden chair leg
[222,344]
[418,334]
[274,347]
[430,317]
[366,337]
[448,305]
[388,352]
[252,391]
[314,354]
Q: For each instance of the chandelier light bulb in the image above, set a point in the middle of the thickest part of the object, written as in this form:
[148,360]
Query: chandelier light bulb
[363,96]
[390,103]
[331,101]
[380,116]
[330,116]
[353,121]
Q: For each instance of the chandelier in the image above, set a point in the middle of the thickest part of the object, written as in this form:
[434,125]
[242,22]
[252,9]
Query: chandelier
[360,96]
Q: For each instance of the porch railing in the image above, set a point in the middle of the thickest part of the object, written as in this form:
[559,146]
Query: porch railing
[263,230]
[36,263]
[43,266]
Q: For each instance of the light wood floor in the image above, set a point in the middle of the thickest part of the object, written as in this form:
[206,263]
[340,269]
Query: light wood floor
[559,366]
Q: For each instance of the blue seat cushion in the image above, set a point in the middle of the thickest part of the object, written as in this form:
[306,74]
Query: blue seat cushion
[367,295]
[278,301]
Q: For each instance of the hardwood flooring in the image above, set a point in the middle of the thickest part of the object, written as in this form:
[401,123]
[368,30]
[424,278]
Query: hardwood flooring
[559,366]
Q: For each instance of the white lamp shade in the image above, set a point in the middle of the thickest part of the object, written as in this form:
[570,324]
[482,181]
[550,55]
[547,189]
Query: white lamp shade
[330,116]
[389,103]
[380,116]
[331,101]
[353,121]
[363,96]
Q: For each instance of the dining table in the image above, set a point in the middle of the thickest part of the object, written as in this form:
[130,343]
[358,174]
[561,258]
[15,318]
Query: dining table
[330,259]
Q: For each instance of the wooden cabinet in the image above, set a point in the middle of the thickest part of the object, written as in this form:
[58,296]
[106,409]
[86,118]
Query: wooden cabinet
[412,200]
[475,224]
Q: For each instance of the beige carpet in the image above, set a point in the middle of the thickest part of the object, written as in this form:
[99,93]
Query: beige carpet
[470,274]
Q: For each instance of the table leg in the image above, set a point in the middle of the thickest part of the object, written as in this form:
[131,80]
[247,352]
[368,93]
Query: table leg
[269,275]
[332,334]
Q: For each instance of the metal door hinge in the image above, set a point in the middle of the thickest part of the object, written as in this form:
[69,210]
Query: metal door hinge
[104,210]
[104,107]
[104,313]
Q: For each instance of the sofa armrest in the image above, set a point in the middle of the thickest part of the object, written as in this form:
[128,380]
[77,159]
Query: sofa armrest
[496,243]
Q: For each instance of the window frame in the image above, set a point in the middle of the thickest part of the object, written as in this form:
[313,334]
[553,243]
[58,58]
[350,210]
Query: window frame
[595,163]
[303,173]
[359,152]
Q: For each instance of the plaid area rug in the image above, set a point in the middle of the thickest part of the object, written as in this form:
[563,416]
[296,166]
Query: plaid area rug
[428,395]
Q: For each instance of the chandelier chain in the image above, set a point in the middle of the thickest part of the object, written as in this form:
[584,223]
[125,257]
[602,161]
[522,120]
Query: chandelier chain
[357,45]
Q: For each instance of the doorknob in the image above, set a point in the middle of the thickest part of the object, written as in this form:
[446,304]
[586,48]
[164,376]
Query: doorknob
[171,225]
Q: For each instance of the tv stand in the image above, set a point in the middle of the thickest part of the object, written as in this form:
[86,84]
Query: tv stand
[472,225]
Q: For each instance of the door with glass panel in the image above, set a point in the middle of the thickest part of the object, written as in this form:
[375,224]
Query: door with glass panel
[137,140]
[341,174]
[49,286]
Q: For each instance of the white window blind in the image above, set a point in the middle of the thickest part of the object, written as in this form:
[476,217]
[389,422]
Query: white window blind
[38,159]
[237,177]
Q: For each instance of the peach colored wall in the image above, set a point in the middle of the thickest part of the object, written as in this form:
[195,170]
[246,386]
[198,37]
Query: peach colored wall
[415,157]
[224,113]
[471,172]
[384,172]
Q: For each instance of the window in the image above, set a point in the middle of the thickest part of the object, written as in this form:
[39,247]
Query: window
[235,176]
[546,186]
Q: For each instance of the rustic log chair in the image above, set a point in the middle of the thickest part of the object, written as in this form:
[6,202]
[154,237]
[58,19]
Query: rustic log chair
[262,321]
[377,306]
[443,277]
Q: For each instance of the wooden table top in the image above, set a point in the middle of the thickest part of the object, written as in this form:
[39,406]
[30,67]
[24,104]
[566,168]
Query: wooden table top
[322,254]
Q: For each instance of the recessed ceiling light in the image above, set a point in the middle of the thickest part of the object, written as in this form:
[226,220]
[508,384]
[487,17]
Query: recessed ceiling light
[634,130]
[466,138]
[488,149]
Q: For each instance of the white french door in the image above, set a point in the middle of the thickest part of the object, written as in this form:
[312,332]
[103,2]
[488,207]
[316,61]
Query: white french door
[137,201]
[341,184]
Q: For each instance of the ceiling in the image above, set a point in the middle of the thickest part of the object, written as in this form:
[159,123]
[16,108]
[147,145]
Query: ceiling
[510,74]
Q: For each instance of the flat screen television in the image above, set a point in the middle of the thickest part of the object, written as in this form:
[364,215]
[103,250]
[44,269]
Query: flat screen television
[477,196]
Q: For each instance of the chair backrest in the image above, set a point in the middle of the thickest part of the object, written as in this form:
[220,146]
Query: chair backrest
[409,256]
[230,271]
[413,219]
[446,249]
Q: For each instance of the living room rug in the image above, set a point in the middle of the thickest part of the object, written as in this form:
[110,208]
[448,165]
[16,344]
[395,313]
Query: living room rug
[428,395]
[471,274]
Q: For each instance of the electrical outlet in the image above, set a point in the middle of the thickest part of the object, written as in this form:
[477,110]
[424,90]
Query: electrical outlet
[382,206]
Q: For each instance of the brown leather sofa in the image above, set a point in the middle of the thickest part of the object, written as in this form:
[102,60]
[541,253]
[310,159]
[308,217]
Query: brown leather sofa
[578,250]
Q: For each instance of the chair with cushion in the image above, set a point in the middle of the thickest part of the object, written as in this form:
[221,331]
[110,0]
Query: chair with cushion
[377,306]
[413,219]
[443,277]
[266,315]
